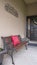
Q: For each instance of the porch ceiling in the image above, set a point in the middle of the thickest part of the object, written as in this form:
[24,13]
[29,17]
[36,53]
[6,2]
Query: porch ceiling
[30,1]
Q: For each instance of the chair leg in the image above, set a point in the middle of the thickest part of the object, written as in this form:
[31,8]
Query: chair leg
[26,46]
[0,63]
[1,58]
[12,60]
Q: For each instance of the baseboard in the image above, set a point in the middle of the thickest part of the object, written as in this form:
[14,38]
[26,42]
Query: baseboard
[32,44]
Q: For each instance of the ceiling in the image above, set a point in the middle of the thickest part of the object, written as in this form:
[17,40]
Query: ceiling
[30,1]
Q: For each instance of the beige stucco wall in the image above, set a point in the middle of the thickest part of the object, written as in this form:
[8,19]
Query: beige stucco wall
[32,9]
[9,24]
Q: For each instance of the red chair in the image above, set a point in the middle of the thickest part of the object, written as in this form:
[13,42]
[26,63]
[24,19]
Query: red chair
[12,42]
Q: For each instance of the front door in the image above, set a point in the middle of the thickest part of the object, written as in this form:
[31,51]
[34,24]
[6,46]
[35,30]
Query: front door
[33,29]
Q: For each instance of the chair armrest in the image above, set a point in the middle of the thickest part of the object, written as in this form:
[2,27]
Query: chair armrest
[24,39]
[3,52]
[27,39]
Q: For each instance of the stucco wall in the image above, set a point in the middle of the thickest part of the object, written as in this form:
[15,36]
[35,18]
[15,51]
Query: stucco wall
[32,9]
[9,24]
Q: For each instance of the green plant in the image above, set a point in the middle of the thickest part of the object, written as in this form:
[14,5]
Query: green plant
[1,49]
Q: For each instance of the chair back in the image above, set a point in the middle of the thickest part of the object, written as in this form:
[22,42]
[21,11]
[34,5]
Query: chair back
[7,43]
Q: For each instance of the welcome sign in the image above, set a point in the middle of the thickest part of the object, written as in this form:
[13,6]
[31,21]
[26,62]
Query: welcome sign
[11,9]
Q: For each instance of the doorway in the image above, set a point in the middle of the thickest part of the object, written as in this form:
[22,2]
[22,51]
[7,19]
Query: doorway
[31,28]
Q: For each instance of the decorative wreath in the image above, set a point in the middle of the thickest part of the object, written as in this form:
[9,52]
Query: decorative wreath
[35,20]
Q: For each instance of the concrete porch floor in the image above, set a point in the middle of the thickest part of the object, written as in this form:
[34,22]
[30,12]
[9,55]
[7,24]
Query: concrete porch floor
[23,57]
